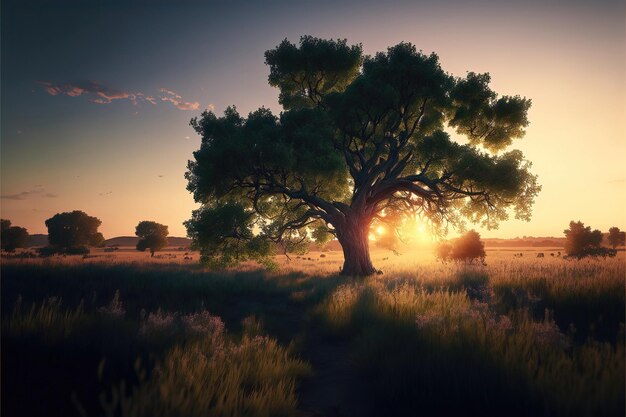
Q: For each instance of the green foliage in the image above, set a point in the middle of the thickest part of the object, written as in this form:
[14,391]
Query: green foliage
[361,137]
[308,73]
[73,229]
[224,236]
[581,241]
[151,235]
[616,237]
[467,248]
[483,117]
[13,237]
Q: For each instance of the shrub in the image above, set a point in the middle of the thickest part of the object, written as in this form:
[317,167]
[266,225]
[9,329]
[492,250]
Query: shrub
[467,248]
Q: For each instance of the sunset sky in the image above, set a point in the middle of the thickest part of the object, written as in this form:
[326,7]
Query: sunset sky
[97,96]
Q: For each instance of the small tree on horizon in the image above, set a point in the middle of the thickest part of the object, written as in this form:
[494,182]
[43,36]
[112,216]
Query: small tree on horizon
[581,241]
[616,237]
[74,232]
[12,237]
[467,248]
[152,236]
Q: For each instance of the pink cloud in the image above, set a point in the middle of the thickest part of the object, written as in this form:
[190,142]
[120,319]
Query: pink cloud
[178,101]
[104,95]
[100,94]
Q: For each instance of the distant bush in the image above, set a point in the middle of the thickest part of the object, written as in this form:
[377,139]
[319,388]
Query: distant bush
[467,248]
[76,250]
[73,250]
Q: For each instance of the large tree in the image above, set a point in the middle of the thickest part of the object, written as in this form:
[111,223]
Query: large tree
[360,139]
[152,236]
[74,229]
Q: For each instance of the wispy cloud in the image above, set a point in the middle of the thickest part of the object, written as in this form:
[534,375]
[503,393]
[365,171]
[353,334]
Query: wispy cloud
[97,92]
[618,181]
[177,100]
[36,192]
[101,94]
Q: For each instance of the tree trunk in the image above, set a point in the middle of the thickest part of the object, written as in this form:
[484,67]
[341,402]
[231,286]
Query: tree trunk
[354,239]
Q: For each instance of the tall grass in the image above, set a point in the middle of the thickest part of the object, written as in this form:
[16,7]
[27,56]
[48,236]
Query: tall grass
[214,376]
[435,351]
[516,337]
[48,320]
[199,369]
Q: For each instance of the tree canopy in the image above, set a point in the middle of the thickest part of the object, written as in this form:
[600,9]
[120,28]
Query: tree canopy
[153,236]
[360,138]
[71,230]
[12,237]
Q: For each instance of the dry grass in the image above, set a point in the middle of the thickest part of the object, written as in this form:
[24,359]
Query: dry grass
[519,336]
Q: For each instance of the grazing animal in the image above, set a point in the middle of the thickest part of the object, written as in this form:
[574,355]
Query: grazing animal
[552,254]
[540,255]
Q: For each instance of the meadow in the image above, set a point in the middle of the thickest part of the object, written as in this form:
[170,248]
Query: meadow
[125,335]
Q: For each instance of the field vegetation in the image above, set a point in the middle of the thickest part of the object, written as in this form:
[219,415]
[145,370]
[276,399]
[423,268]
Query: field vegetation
[141,336]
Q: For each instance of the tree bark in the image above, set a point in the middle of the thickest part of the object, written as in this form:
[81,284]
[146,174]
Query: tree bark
[354,239]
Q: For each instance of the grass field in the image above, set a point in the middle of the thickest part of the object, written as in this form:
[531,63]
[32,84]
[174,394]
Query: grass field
[123,334]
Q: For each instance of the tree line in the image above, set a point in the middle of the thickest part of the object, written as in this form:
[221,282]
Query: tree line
[580,242]
[75,232]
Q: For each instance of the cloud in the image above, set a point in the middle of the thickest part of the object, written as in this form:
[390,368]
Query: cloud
[38,191]
[618,181]
[101,94]
[107,193]
[177,100]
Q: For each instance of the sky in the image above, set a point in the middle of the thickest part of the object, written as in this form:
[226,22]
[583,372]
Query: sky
[96,96]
